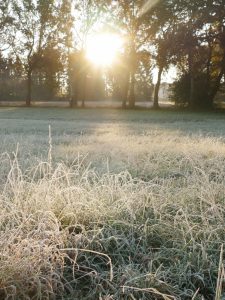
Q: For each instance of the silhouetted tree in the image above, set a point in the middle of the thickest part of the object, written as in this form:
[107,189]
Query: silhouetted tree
[200,51]
[134,18]
[37,24]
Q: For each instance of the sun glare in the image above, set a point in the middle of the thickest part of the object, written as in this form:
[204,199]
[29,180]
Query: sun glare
[102,49]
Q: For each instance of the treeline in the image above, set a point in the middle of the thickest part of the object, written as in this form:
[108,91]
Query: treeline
[42,50]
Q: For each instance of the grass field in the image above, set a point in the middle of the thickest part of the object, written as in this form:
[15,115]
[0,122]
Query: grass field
[111,204]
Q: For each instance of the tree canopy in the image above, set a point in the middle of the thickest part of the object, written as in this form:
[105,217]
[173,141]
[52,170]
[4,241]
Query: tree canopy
[47,40]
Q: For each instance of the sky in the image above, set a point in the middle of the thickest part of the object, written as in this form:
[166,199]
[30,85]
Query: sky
[169,76]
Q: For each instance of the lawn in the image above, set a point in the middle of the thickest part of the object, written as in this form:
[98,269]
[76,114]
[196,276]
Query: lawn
[111,204]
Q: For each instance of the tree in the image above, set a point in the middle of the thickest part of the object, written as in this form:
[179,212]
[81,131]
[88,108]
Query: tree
[46,81]
[163,58]
[12,81]
[88,13]
[37,24]
[6,20]
[135,20]
[67,20]
[200,39]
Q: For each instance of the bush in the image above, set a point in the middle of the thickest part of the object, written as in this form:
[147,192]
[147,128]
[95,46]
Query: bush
[182,87]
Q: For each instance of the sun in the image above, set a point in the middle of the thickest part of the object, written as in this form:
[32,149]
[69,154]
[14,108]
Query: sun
[102,49]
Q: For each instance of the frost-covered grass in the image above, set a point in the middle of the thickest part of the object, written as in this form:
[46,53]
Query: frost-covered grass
[112,205]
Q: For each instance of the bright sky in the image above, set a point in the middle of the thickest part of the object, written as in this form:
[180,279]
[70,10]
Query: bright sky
[169,76]
[102,49]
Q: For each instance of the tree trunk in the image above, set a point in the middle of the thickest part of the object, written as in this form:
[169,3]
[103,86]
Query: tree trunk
[83,94]
[157,87]
[29,87]
[124,98]
[73,95]
[125,90]
[192,80]
[132,91]
[208,65]
[192,89]
[215,90]
[73,101]
[217,84]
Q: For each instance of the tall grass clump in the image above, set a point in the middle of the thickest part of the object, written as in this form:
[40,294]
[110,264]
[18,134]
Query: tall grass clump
[68,232]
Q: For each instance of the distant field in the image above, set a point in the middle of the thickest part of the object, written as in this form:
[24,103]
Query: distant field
[111,204]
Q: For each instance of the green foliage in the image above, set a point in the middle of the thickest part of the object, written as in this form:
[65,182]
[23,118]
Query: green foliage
[181,91]
[12,81]
[46,79]
[38,24]
[177,33]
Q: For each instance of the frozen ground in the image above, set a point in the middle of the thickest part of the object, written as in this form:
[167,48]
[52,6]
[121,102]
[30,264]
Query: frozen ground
[111,204]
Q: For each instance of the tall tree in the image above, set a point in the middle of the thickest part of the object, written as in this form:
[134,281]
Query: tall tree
[135,19]
[200,37]
[37,23]
[6,20]
[165,53]
[46,82]
[87,14]
[67,27]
